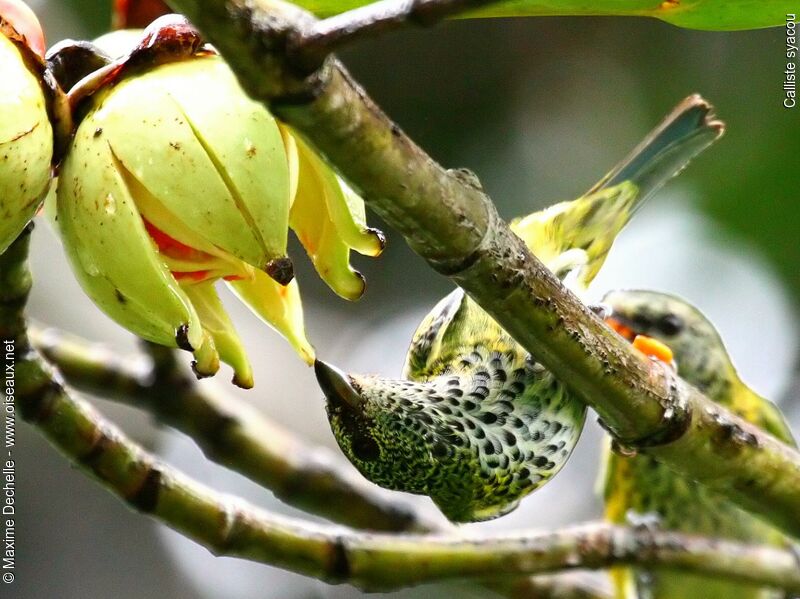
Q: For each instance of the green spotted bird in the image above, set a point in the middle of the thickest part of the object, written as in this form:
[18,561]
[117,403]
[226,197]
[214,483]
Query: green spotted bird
[639,487]
[477,423]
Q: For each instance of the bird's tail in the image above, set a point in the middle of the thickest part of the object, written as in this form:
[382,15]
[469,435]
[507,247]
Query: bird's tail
[577,236]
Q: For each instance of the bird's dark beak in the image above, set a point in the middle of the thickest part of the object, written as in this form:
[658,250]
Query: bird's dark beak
[337,386]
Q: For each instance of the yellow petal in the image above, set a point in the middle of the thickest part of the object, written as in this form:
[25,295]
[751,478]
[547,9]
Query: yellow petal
[213,157]
[112,255]
[218,325]
[278,306]
[206,357]
[345,207]
[311,221]
[292,159]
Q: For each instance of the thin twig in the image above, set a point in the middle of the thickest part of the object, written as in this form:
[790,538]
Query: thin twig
[229,526]
[309,48]
[448,220]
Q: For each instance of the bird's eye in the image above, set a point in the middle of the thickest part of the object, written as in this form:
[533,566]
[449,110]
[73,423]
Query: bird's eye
[670,325]
[365,448]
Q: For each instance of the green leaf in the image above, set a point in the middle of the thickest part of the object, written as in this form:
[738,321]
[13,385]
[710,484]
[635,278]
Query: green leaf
[693,14]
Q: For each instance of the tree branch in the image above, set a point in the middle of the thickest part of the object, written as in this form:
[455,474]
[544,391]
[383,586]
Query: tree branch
[228,526]
[448,220]
[309,47]
[232,434]
[231,527]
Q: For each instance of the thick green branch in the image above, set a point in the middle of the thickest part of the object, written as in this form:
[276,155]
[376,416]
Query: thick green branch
[448,220]
[231,527]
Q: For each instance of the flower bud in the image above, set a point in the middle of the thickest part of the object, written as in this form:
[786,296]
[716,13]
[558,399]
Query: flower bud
[23,20]
[176,180]
[26,135]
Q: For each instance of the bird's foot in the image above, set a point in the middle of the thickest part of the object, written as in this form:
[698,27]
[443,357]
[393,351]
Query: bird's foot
[601,310]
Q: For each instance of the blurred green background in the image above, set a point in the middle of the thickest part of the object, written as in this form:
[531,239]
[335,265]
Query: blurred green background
[540,109]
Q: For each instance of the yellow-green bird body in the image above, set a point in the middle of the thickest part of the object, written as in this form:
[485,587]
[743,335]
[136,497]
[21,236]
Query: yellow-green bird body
[639,487]
[477,422]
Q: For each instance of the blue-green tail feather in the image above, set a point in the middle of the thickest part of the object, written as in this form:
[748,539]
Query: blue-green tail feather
[688,130]
[577,235]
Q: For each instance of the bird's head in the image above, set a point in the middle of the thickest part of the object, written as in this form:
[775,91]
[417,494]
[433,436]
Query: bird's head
[698,350]
[383,427]
[431,438]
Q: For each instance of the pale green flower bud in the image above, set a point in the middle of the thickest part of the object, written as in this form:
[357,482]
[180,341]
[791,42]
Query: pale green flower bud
[175,180]
[26,136]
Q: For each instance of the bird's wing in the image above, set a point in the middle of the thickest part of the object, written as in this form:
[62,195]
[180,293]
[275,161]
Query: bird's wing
[576,236]
[430,332]
[758,410]
[579,234]
[772,420]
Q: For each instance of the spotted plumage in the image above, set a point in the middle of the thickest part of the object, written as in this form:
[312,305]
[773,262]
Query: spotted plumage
[638,487]
[477,423]
[476,429]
